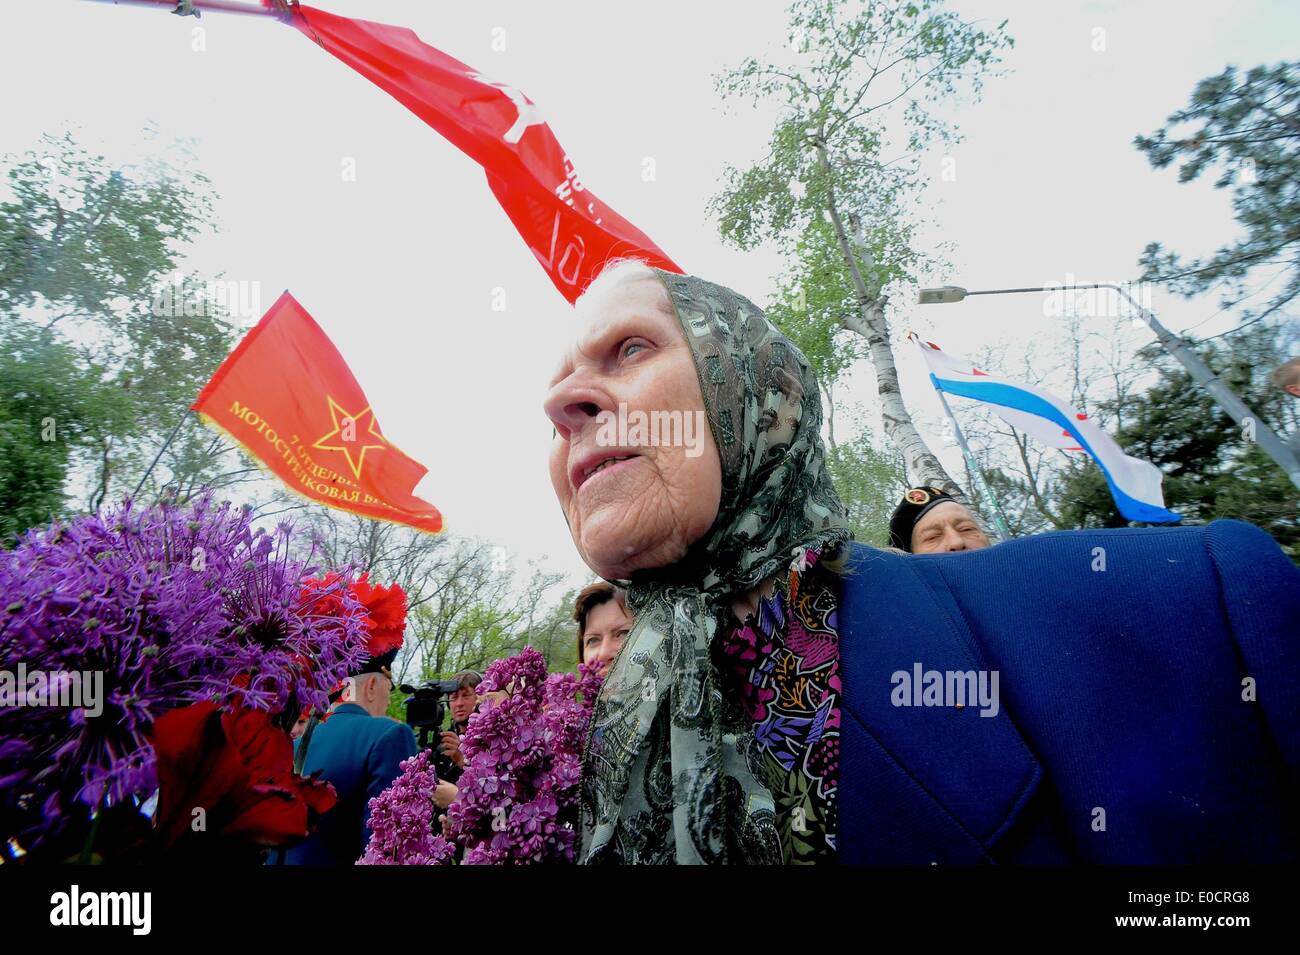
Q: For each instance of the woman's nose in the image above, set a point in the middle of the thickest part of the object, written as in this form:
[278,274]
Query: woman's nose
[573,404]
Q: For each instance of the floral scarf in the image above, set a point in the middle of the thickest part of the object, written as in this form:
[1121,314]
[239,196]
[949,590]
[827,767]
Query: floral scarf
[784,664]
[673,771]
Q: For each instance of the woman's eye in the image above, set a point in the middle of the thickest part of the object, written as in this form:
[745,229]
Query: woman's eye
[628,348]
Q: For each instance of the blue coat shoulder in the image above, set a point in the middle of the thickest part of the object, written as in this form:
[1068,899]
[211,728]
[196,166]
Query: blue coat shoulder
[360,755]
[1127,696]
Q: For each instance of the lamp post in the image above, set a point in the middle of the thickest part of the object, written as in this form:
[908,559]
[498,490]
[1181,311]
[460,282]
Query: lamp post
[1267,438]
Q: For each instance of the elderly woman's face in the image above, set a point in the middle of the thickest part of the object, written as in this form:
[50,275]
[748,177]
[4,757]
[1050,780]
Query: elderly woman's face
[631,504]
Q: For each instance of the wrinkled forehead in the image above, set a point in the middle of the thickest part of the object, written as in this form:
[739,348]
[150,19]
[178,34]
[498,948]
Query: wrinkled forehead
[947,512]
[638,305]
[631,290]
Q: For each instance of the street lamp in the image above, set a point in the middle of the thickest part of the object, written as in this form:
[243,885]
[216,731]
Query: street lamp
[941,296]
[1241,413]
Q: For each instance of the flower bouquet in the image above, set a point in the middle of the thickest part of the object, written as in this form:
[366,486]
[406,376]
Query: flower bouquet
[518,797]
[175,646]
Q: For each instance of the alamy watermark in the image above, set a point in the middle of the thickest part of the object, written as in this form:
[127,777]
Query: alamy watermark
[82,689]
[1065,298]
[651,429]
[133,910]
[181,299]
[955,688]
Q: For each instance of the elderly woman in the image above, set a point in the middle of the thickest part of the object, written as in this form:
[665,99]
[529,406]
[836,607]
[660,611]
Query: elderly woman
[756,713]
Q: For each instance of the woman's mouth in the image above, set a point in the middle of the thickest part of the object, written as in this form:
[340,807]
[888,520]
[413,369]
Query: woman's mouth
[593,470]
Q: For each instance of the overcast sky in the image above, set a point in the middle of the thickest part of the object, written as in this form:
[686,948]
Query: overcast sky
[399,266]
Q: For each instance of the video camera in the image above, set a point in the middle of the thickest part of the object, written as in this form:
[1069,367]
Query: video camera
[426,711]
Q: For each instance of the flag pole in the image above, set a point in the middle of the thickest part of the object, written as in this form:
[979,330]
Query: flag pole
[187,8]
[161,451]
[999,518]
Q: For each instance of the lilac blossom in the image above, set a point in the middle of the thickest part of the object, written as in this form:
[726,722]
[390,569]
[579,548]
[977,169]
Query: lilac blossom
[518,797]
[401,819]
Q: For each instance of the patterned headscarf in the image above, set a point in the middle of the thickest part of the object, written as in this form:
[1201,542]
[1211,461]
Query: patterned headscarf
[672,770]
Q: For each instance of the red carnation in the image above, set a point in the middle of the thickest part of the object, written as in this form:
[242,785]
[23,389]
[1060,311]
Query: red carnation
[385,609]
[237,767]
[387,606]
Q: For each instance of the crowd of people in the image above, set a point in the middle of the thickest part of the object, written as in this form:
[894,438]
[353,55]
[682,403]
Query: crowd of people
[358,748]
[770,689]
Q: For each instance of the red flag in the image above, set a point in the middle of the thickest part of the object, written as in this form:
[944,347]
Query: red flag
[286,395]
[572,233]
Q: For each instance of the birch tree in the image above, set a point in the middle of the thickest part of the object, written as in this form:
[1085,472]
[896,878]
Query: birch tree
[838,188]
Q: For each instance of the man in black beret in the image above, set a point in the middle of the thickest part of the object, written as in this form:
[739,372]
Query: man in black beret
[357,747]
[930,521]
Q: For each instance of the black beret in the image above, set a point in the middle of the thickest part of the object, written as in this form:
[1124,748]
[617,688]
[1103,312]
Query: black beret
[915,503]
[380,664]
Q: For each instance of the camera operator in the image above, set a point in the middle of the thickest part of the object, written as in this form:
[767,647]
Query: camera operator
[463,702]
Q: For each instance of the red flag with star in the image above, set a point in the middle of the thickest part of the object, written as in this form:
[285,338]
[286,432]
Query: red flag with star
[571,233]
[288,398]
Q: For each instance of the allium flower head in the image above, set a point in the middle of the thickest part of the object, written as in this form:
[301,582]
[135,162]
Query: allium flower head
[171,605]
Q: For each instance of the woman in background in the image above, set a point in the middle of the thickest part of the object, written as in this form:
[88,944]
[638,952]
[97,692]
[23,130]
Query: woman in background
[603,623]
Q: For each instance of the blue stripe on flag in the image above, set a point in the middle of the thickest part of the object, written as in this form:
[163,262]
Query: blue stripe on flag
[1020,400]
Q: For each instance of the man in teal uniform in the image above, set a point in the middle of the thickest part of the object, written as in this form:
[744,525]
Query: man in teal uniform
[358,749]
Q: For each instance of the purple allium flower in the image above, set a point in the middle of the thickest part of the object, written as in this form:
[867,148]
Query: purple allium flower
[171,605]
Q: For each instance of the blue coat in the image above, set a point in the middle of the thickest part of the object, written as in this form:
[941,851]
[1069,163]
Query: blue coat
[359,754]
[1125,732]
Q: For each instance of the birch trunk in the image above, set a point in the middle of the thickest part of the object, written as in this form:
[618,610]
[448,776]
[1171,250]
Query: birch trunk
[923,467]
